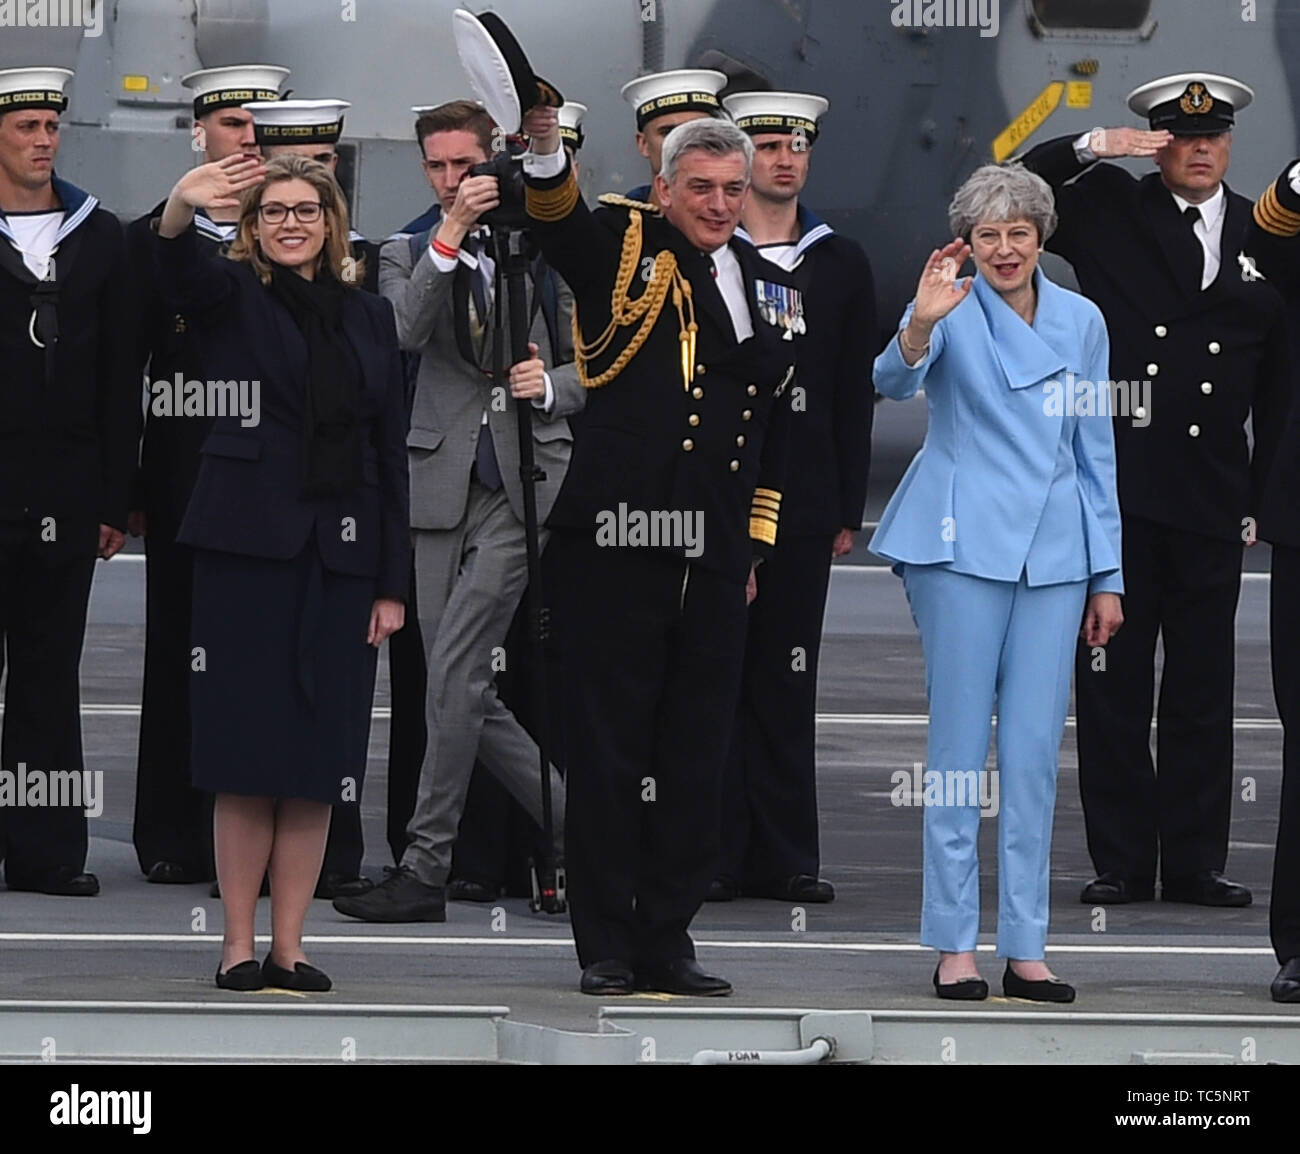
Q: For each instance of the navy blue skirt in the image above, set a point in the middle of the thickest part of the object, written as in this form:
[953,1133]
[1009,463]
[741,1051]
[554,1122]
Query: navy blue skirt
[281,704]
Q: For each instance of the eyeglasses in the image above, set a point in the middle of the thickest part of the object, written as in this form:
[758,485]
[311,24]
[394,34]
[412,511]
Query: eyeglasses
[308,212]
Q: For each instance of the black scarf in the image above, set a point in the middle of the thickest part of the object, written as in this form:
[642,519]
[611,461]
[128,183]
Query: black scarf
[331,426]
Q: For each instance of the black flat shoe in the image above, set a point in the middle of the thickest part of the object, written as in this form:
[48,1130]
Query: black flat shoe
[1209,888]
[800,888]
[608,978]
[722,890]
[1286,986]
[465,890]
[962,990]
[333,886]
[245,976]
[681,976]
[171,873]
[1112,889]
[64,882]
[1046,990]
[400,897]
[301,977]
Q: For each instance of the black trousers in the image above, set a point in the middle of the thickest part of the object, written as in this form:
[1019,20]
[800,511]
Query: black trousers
[408,683]
[769,801]
[44,591]
[1183,587]
[1284,635]
[651,648]
[173,820]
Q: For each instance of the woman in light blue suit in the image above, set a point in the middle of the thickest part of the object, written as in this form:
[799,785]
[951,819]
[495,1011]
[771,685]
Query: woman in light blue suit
[1006,533]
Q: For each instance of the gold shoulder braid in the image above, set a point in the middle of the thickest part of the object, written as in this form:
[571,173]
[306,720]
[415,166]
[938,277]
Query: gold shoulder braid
[646,308]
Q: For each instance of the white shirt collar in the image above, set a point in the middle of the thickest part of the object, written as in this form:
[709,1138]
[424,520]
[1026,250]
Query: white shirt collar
[1211,209]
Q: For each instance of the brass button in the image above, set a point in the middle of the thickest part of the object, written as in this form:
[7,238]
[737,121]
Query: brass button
[1152,369]
[740,442]
[747,414]
[735,466]
[701,370]
[1215,348]
[697,393]
[688,444]
[693,419]
[1193,430]
[752,390]
[1161,331]
[1207,388]
[1140,413]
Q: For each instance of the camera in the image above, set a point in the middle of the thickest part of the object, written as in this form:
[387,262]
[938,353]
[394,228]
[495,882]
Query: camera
[510,213]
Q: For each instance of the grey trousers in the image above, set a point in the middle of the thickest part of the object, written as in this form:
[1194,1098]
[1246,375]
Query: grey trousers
[468,584]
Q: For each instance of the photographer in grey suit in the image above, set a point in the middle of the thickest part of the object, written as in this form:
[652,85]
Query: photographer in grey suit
[466,504]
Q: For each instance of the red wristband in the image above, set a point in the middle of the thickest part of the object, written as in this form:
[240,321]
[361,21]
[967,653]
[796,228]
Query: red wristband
[445,250]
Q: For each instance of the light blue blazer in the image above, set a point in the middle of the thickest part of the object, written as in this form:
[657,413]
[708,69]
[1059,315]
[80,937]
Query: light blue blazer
[1017,472]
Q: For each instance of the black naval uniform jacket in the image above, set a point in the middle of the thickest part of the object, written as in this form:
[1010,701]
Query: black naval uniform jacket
[1273,243]
[1213,357]
[70,413]
[833,400]
[647,442]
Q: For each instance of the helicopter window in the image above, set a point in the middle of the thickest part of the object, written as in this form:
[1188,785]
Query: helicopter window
[1110,15]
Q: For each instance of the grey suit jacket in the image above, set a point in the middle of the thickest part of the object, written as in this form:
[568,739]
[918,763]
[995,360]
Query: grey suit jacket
[452,395]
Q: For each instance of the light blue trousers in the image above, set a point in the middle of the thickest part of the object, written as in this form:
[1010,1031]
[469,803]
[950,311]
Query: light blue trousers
[992,644]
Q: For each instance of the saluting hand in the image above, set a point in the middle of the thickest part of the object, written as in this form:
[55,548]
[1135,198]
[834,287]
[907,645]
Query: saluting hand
[1111,143]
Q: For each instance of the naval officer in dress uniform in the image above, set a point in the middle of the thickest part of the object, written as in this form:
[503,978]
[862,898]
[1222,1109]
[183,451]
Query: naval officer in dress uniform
[173,821]
[69,426]
[1273,251]
[684,431]
[664,100]
[769,828]
[1160,257]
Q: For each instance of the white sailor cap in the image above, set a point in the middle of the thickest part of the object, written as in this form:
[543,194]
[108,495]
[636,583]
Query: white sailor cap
[571,114]
[1191,103]
[298,121]
[33,88]
[682,90]
[784,112]
[231,87]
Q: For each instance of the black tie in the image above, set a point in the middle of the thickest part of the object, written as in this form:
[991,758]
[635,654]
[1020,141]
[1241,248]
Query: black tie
[486,467]
[1191,214]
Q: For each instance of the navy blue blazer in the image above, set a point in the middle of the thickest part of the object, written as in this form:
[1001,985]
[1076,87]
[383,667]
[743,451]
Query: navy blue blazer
[246,498]
[1017,473]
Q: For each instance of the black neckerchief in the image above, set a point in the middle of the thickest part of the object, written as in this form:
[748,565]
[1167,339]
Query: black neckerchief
[331,427]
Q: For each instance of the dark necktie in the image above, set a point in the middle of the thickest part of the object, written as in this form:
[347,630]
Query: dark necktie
[486,467]
[1192,214]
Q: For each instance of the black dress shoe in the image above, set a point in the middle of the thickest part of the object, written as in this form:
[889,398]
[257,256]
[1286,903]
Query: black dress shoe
[245,976]
[171,873]
[1046,990]
[722,889]
[1286,986]
[1113,889]
[607,978]
[342,886]
[214,891]
[681,976]
[66,882]
[301,977]
[466,890]
[962,990]
[1209,888]
[400,897]
[800,888]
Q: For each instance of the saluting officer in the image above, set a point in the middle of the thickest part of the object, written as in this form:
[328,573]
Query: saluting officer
[1160,256]
[173,822]
[1273,251]
[673,491]
[69,424]
[663,100]
[769,804]
[313,128]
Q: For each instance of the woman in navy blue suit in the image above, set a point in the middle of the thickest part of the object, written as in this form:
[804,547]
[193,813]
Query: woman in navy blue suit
[1006,532]
[299,523]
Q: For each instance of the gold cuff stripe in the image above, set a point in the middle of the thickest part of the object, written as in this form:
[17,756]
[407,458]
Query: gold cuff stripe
[1272,217]
[772,495]
[762,531]
[758,508]
[552,204]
